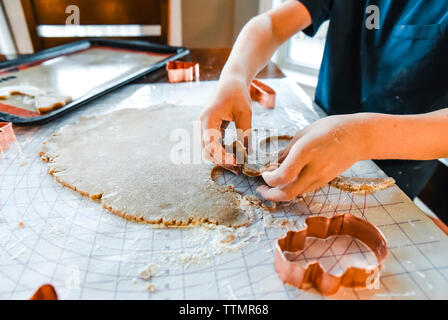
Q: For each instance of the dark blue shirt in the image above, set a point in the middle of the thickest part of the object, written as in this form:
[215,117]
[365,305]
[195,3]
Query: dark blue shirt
[400,68]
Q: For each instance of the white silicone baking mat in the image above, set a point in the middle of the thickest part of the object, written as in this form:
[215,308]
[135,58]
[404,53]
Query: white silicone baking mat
[88,253]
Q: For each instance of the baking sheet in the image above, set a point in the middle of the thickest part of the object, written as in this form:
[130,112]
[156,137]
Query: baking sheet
[85,71]
[88,253]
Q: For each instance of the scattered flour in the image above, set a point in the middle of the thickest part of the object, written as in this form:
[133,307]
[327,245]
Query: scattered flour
[202,244]
[231,293]
[17,254]
[209,241]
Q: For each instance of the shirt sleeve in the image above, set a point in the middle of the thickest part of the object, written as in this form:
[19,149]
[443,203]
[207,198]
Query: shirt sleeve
[319,11]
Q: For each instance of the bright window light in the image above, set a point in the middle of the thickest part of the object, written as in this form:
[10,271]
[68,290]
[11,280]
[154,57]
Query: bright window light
[125,30]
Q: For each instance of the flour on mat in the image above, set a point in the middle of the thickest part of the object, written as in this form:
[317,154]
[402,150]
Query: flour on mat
[211,241]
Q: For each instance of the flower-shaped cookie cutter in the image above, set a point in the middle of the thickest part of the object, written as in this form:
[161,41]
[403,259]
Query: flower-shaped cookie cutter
[7,135]
[314,275]
[263,94]
[180,71]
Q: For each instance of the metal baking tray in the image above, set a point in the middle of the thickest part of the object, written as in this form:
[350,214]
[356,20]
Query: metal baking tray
[83,70]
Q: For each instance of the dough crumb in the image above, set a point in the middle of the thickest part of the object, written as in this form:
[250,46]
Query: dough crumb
[151,288]
[228,239]
[147,272]
[361,185]
[281,223]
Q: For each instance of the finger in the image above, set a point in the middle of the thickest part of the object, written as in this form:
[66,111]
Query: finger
[209,122]
[224,125]
[243,124]
[212,143]
[289,169]
[284,153]
[236,170]
[314,187]
[243,120]
[216,153]
[302,184]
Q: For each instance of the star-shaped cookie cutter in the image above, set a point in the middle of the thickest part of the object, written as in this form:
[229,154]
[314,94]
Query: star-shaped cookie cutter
[314,275]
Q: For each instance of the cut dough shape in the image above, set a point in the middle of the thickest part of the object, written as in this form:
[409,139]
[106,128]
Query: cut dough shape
[123,160]
[22,90]
[47,103]
[43,101]
[361,185]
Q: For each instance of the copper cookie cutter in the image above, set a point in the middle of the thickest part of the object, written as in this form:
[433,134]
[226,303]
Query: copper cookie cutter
[7,135]
[314,275]
[263,94]
[45,292]
[180,71]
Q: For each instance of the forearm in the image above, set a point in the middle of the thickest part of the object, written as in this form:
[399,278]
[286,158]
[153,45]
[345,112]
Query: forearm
[260,38]
[410,137]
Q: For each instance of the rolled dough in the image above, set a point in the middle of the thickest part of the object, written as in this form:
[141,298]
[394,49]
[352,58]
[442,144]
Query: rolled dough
[123,160]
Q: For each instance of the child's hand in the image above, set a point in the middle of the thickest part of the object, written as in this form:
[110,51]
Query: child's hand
[314,157]
[231,103]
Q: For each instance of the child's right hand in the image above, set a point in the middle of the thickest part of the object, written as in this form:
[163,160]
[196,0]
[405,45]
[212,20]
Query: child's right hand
[230,103]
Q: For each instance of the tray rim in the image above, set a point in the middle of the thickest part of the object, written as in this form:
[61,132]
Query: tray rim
[177,53]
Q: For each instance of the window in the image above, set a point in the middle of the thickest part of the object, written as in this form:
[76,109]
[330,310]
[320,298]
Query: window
[306,51]
[301,56]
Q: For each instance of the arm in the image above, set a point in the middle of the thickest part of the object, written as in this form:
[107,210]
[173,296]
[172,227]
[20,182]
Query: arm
[256,43]
[413,137]
[261,37]
[331,145]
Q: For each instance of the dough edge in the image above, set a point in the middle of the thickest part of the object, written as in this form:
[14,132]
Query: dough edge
[243,207]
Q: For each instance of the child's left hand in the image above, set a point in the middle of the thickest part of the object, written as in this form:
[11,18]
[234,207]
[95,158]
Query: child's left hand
[315,156]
